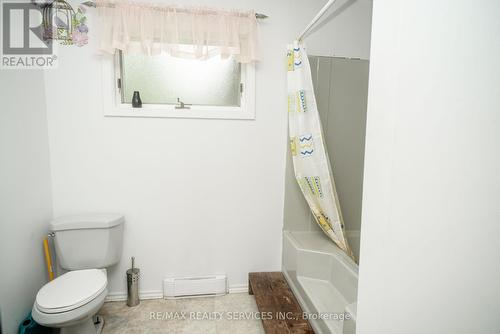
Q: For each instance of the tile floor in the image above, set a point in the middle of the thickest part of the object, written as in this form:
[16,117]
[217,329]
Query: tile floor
[232,314]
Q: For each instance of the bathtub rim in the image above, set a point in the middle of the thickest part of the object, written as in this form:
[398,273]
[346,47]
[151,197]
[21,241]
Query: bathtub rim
[333,251]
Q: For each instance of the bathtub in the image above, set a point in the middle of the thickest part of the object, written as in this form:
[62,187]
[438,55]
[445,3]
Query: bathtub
[324,280]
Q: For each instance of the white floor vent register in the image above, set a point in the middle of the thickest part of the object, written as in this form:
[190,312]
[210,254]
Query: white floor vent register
[182,287]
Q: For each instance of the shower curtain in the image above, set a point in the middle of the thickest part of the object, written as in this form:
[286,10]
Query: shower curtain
[310,159]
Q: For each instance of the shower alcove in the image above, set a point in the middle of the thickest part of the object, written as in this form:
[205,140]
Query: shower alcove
[322,277]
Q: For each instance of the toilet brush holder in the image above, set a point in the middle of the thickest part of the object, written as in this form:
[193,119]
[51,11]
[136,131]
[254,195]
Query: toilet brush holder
[133,285]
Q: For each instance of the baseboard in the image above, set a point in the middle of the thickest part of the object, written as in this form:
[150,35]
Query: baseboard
[143,295]
[238,288]
[158,294]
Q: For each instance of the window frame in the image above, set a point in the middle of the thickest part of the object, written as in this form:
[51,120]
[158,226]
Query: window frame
[114,107]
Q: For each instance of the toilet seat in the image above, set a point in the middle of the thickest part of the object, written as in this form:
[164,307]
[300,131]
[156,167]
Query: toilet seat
[71,290]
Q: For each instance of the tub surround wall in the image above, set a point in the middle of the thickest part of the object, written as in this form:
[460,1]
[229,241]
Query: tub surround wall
[341,88]
[25,193]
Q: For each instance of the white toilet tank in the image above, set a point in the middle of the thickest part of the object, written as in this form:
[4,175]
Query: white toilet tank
[88,241]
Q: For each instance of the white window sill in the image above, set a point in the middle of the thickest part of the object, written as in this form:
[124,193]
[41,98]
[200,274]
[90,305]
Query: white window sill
[169,111]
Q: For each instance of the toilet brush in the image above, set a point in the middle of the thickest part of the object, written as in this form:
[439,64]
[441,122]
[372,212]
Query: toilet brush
[133,285]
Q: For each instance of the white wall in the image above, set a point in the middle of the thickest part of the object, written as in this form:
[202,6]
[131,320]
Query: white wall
[25,195]
[199,196]
[344,31]
[429,243]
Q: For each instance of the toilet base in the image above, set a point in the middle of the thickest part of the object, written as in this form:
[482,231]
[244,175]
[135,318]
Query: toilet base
[91,325]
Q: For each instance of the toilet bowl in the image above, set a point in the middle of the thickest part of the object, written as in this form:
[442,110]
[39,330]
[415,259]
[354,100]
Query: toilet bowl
[85,245]
[70,301]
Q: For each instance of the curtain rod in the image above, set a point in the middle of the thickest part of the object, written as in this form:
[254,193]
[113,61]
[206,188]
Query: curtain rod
[93,4]
[316,19]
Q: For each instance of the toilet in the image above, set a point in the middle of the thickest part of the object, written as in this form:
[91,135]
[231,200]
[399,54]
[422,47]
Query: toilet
[85,246]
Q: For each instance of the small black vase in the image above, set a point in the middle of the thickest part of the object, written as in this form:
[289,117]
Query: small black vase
[136,100]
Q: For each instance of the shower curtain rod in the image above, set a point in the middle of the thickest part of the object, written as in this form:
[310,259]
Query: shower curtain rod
[257,15]
[316,19]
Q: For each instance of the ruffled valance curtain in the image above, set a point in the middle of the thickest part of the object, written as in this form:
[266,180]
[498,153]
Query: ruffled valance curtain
[199,33]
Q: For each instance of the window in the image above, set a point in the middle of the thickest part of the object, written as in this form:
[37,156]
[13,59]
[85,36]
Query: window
[164,79]
[212,88]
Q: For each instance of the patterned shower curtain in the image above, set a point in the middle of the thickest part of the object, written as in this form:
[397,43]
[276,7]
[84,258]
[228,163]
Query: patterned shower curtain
[310,159]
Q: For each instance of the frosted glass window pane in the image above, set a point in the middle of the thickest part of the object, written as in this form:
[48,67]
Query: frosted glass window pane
[162,79]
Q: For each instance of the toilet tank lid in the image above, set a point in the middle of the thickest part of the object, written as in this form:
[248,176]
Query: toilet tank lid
[77,222]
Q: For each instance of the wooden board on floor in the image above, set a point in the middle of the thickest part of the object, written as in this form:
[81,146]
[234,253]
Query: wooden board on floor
[274,298]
